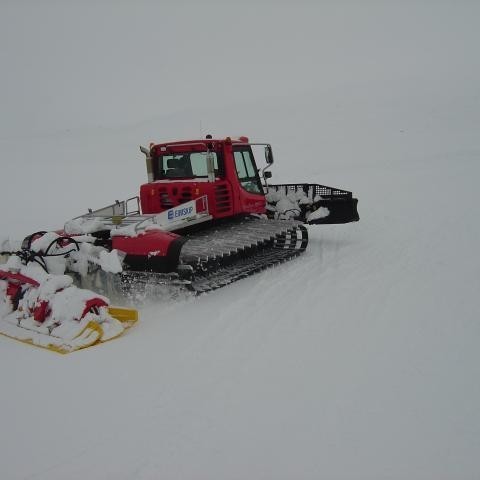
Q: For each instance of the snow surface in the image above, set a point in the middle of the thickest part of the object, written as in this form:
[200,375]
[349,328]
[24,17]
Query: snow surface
[358,360]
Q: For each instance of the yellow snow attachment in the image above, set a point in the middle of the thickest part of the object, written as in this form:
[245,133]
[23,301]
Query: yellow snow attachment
[128,316]
[70,336]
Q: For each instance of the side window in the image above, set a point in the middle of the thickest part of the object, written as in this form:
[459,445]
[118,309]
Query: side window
[249,164]
[240,165]
[246,171]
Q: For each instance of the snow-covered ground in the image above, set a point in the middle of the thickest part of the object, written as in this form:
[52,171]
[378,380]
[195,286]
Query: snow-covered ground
[359,359]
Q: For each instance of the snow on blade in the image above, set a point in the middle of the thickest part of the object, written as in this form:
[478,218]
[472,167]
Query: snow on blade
[320,212]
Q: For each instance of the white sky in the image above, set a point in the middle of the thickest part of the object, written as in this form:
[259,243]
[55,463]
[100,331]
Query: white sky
[97,63]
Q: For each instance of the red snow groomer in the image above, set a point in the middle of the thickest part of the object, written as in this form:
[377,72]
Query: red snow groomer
[207,217]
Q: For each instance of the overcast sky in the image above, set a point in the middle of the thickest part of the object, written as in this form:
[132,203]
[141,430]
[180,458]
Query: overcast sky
[68,65]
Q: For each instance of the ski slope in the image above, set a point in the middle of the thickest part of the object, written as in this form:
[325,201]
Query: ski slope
[359,356]
[357,360]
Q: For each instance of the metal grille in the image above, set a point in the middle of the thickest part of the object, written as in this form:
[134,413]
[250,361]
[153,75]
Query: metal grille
[165,200]
[312,190]
[222,198]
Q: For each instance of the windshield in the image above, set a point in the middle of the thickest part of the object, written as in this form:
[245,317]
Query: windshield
[185,165]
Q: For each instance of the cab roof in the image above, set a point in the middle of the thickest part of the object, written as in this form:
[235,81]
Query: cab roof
[200,143]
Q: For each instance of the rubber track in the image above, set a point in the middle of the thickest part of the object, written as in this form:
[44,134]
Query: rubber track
[241,269]
[224,254]
[225,244]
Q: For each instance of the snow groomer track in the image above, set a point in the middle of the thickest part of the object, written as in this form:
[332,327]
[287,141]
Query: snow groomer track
[233,250]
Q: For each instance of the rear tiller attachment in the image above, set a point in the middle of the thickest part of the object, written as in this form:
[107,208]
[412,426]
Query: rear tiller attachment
[48,311]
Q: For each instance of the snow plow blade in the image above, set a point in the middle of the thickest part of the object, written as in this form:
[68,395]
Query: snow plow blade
[341,210]
[312,203]
[127,316]
[86,333]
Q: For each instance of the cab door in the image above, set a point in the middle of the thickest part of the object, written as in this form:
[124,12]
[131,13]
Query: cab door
[251,194]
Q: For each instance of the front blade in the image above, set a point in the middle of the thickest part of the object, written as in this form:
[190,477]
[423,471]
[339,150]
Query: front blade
[312,203]
[333,211]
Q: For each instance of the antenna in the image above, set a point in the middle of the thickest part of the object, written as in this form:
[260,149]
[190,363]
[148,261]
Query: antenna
[201,129]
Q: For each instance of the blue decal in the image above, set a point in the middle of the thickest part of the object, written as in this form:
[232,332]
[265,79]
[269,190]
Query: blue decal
[181,212]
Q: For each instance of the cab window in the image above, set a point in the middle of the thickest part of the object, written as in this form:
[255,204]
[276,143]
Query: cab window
[185,165]
[247,171]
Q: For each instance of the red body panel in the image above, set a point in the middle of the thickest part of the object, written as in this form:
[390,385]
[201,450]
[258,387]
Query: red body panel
[18,278]
[41,311]
[154,250]
[151,243]
[93,303]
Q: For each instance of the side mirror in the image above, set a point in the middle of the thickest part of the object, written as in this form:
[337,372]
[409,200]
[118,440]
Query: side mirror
[267,175]
[268,155]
